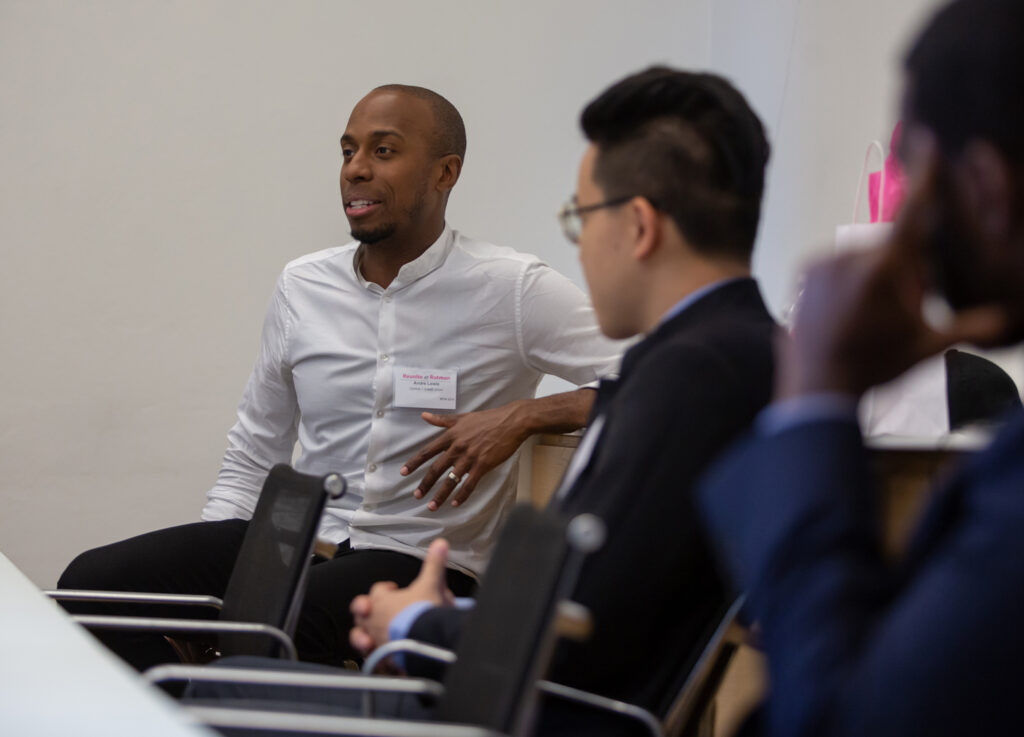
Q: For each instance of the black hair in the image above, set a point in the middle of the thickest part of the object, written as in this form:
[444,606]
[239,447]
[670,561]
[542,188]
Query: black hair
[450,131]
[966,76]
[690,144]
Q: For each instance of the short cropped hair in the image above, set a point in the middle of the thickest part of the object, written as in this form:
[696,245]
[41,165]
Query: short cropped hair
[965,76]
[690,144]
[449,130]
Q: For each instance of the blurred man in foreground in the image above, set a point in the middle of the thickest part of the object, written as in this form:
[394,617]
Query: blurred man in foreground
[933,646]
[358,341]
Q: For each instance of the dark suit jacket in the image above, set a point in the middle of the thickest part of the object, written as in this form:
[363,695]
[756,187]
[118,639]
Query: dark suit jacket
[686,391]
[933,647]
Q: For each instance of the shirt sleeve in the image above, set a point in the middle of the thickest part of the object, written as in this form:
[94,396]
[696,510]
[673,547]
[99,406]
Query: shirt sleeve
[402,622]
[557,329]
[265,432]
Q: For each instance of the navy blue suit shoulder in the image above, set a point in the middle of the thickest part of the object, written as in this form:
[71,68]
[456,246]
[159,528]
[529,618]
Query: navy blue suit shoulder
[856,646]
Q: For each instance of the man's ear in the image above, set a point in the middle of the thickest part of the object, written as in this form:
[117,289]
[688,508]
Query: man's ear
[646,226]
[450,168]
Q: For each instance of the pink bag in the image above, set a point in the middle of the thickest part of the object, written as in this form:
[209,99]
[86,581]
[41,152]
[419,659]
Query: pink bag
[890,182]
[855,234]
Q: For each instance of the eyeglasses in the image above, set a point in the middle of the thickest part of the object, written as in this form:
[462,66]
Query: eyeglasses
[570,217]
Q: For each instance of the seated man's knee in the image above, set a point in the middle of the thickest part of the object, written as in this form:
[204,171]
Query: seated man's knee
[186,559]
[94,569]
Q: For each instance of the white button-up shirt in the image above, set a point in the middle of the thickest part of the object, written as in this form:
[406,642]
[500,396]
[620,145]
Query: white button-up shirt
[325,377]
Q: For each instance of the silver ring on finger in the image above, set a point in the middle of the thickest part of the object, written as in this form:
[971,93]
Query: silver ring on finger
[455,477]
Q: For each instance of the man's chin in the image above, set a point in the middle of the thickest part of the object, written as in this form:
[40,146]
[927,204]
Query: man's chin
[372,235]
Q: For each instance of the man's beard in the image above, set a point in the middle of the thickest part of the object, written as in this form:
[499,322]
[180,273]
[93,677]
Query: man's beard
[376,234]
[373,235]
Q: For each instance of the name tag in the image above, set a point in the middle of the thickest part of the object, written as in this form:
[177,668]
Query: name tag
[425,388]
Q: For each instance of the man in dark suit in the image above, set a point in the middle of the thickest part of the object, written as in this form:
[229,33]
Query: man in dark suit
[933,645]
[665,215]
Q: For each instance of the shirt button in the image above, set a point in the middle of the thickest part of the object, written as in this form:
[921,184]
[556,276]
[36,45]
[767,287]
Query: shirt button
[372,467]
[380,413]
[384,356]
[387,299]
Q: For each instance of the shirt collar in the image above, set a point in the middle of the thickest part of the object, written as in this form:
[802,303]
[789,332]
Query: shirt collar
[416,269]
[692,297]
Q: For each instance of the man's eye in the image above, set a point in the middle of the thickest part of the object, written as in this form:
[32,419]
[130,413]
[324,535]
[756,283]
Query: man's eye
[384,150]
[346,153]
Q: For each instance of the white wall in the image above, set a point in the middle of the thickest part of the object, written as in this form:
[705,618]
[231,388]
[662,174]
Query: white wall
[824,77]
[162,160]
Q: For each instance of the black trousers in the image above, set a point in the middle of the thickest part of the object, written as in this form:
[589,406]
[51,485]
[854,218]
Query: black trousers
[198,558]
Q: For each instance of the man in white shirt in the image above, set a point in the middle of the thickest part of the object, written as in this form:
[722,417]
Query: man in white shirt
[358,341]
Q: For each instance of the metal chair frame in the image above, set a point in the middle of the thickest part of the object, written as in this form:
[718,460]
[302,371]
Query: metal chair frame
[584,535]
[683,718]
[332,486]
[687,708]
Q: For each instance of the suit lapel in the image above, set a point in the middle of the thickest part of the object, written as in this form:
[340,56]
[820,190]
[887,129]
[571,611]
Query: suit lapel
[738,294]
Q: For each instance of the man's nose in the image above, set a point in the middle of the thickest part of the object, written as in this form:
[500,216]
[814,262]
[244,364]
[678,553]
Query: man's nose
[357,168]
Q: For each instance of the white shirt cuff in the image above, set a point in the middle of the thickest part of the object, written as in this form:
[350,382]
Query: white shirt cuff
[401,623]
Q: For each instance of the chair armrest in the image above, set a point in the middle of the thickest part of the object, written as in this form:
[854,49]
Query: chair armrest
[423,649]
[646,718]
[324,724]
[343,681]
[153,624]
[632,711]
[134,597]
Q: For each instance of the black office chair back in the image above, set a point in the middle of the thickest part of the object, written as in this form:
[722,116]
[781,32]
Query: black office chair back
[977,390]
[268,581]
[507,641]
